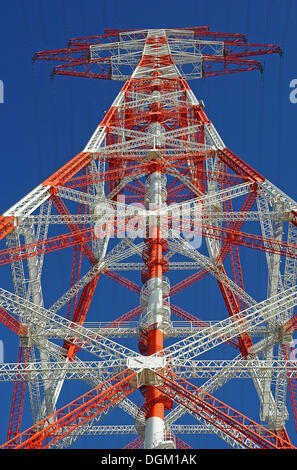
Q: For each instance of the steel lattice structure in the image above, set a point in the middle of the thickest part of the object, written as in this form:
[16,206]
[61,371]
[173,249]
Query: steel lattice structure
[155,147]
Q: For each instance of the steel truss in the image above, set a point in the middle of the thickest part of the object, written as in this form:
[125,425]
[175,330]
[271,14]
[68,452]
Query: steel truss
[156,169]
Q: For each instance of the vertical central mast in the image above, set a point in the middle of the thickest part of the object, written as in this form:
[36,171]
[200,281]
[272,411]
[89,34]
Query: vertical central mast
[155,316]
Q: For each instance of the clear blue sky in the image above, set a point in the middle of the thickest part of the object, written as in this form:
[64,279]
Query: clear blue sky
[44,123]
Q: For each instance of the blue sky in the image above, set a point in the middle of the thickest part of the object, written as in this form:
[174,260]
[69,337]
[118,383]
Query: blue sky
[44,123]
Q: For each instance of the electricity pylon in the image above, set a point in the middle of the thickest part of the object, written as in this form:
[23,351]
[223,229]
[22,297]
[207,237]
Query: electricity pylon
[198,205]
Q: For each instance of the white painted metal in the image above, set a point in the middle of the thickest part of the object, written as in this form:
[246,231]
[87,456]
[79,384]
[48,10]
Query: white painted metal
[263,320]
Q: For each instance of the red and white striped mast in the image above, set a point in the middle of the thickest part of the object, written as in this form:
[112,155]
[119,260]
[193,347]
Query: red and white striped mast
[155,127]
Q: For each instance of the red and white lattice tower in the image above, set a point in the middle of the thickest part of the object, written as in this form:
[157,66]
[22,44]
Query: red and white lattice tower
[155,147]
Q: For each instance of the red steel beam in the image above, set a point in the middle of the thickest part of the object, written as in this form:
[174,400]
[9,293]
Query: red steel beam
[68,170]
[18,398]
[62,210]
[6,225]
[214,411]
[290,355]
[12,323]
[123,281]
[80,314]
[77,260]
[65,420]
[180,443]
[66,240]
[137,443]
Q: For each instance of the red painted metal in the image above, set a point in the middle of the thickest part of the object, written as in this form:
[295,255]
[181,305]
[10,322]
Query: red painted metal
[18,398]
[242,428]
[6,225]
[78,61]
[137,443]
[76,413]
[12,323]
[289,353]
